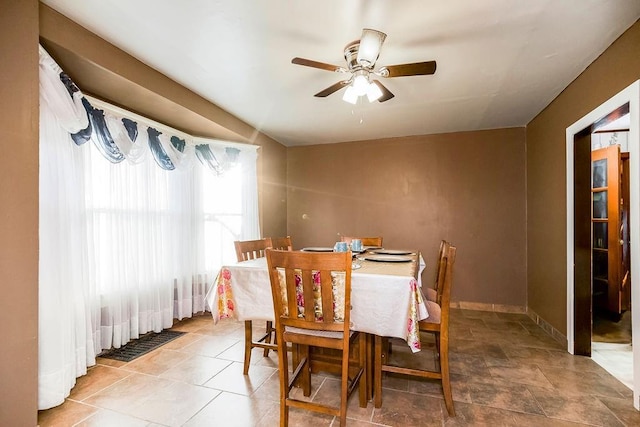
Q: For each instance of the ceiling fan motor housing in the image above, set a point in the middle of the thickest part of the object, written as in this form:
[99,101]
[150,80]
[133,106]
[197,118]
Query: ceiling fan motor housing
[351,55]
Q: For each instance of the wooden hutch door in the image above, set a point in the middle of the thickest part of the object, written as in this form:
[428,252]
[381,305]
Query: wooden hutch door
[606,229]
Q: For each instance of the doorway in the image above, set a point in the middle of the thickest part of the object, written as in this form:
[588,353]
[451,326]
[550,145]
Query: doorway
[579,236]
[611,335]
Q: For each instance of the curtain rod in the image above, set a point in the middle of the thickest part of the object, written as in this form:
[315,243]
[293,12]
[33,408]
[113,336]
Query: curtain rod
[165,128]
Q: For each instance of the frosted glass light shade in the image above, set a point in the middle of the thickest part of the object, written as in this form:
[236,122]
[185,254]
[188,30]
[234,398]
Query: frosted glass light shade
[370,45]
[360,84]
[373,92]
[350,95]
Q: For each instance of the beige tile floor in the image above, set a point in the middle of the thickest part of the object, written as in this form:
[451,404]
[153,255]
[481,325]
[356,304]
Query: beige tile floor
[617,359]
[505,372]
[611,345]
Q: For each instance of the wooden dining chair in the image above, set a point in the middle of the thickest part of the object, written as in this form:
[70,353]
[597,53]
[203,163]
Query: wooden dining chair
[366,241]
[247,250]
[312,307]
[282,243]
[437,323]
[434,294]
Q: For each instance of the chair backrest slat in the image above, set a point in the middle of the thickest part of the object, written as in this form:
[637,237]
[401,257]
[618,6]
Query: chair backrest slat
[292,296]
[307,286]
[440,269]
[447,281]
[328,301]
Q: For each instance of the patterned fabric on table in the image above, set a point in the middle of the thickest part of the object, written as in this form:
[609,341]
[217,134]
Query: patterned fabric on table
[226,304]
[413,331]
[337,279]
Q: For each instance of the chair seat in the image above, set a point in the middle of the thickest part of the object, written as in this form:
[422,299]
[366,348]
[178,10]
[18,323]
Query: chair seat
[430,294]
[435,312]
[319,333]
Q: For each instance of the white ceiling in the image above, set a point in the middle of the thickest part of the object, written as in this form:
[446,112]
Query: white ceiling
[500,62]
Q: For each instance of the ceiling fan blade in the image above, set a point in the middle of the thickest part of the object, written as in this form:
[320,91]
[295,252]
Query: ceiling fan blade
[413,69]
[316,64]
[386,93]
[331,89]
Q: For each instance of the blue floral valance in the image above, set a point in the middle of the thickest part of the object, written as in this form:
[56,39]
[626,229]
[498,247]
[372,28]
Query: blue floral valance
[119,136]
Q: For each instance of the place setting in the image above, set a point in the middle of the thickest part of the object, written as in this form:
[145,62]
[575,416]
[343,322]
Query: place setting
[355,246]
[387,258]
[318,249]
[389,255]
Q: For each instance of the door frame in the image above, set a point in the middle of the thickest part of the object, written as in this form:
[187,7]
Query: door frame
[630,95]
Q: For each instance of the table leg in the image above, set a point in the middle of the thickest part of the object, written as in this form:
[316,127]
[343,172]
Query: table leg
[377,372]
[369,366]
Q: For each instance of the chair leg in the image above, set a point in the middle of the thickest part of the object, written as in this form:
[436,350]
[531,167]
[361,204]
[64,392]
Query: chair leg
[284,414]
[344,387]
[248,340]
[305,380]
[444,371]
[284,387]
[270,331]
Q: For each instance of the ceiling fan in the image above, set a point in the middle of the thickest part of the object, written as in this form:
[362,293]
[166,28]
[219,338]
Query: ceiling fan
[361,56]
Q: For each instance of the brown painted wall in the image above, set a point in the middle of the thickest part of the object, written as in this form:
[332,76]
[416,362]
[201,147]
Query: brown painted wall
[272,176]
[19,213]
[466,187]
[614,70]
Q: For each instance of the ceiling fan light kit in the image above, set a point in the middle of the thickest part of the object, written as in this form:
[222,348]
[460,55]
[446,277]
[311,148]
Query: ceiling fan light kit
[360,88]
[361,56]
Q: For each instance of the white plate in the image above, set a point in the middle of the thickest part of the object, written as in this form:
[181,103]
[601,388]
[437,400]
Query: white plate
[392,252]
[317,249]
[387,258]
[370,248]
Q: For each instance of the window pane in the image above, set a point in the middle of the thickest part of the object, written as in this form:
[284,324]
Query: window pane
[222,201]
[600,204]
[600,173]
[600,265]
[600,235]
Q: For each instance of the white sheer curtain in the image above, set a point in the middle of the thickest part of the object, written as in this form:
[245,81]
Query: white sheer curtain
[66,337]
[140,241]
[125,247]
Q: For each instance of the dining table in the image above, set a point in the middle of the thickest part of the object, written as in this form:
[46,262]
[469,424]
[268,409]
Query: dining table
[386,299]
